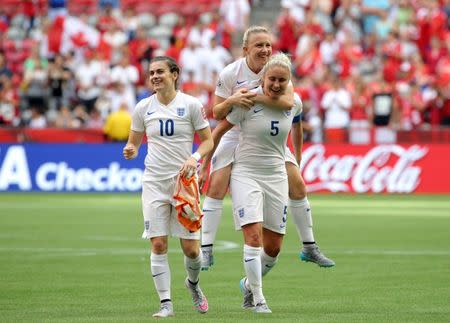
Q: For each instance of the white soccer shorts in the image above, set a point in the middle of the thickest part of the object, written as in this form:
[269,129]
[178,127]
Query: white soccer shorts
[290,157]
[263,200]
[160,215]
[224,155]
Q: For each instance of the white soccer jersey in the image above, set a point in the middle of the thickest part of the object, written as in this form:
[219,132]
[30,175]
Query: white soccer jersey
[234,77]
[264,132]
[170,132]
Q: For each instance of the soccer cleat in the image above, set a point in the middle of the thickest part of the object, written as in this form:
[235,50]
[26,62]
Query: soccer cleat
[165,310]
[248,295]
[207,257]
[313,254]
[262,308]
[199,299]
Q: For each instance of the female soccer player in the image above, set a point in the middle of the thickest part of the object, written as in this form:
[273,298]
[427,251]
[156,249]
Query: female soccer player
[232,90]
[259,182]
[169,118]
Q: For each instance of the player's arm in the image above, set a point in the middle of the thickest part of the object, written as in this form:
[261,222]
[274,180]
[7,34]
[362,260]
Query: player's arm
[242,98]
[217,134]
[297,138]
[131,149]
[284,102]
[206,144]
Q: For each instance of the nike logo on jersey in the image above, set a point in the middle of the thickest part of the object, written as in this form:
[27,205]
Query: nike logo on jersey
[257,110]
[155,275]
[248,259]
[150,113]
[240,82]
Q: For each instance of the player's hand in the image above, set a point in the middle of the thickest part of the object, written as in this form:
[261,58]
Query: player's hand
[202,176]
[189,168]
[244,98]
[129,151]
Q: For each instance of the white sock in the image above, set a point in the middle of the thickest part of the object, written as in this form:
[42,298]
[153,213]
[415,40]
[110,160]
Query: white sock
[212,213]
[267,262]
[301,213]
[193,267]
[159,266]
[252,266]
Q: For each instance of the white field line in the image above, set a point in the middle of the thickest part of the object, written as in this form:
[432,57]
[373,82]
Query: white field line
[221,247]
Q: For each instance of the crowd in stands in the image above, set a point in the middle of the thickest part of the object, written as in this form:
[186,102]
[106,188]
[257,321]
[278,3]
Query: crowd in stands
[357,63]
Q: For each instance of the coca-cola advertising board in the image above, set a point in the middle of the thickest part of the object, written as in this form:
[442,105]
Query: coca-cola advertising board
[326,168]
[377,168]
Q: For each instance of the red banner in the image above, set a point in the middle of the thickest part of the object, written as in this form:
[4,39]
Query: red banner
[377,169]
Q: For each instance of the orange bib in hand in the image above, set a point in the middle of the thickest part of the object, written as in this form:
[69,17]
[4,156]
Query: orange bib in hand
[188,203]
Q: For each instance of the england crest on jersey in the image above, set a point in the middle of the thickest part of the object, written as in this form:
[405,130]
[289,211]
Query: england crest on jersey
[181,112]
[288,113]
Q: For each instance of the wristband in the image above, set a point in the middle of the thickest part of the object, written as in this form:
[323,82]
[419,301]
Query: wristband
[196,156]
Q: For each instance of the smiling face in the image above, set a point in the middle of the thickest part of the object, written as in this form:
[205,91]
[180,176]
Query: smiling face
[161,78]
[258,50]
[275,81]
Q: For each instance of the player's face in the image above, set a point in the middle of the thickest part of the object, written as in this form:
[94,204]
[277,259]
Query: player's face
[275,82]
[258,49]
[160,77]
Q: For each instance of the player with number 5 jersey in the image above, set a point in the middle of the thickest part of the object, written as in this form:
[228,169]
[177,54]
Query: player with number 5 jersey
[259,181]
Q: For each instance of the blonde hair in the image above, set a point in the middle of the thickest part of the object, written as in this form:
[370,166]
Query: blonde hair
[253,30]
[279,59]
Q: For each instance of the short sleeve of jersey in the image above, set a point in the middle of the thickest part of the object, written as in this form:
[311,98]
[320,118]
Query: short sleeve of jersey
[198,115]
[236,115]
[297,108]
[137,120]
[224,86]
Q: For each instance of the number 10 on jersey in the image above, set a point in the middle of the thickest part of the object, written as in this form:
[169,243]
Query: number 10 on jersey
[166,127]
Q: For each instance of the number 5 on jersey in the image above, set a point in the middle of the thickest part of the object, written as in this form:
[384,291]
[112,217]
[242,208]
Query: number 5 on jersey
[166,128]
[274,128]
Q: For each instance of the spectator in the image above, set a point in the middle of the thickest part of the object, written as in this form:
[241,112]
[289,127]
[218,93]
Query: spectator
[37,119]
[128,76]
[118,123]
[35,86]
[337,103]
[87,78]
[95,120]
[8,103]
[58,75]
[236,13]
[4,70]
[64,118]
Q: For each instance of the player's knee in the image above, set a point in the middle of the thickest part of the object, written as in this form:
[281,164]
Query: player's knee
[272,250]
[192,253]
[159,247]
[297,191]
[297,194]
[253,239]
[217,194]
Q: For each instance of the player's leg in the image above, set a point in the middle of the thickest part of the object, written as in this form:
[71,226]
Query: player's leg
[157,215]
[212,212]
[272,242]
[301,214]
[268,256]
[192,264]
[252,264]
[248,216]
[213,204]
[160,270]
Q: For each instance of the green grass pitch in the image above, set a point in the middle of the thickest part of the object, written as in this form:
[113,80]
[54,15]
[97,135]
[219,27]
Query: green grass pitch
[79,258]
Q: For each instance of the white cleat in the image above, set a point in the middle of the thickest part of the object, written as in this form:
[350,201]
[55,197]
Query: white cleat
[262,308]
[165,310]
